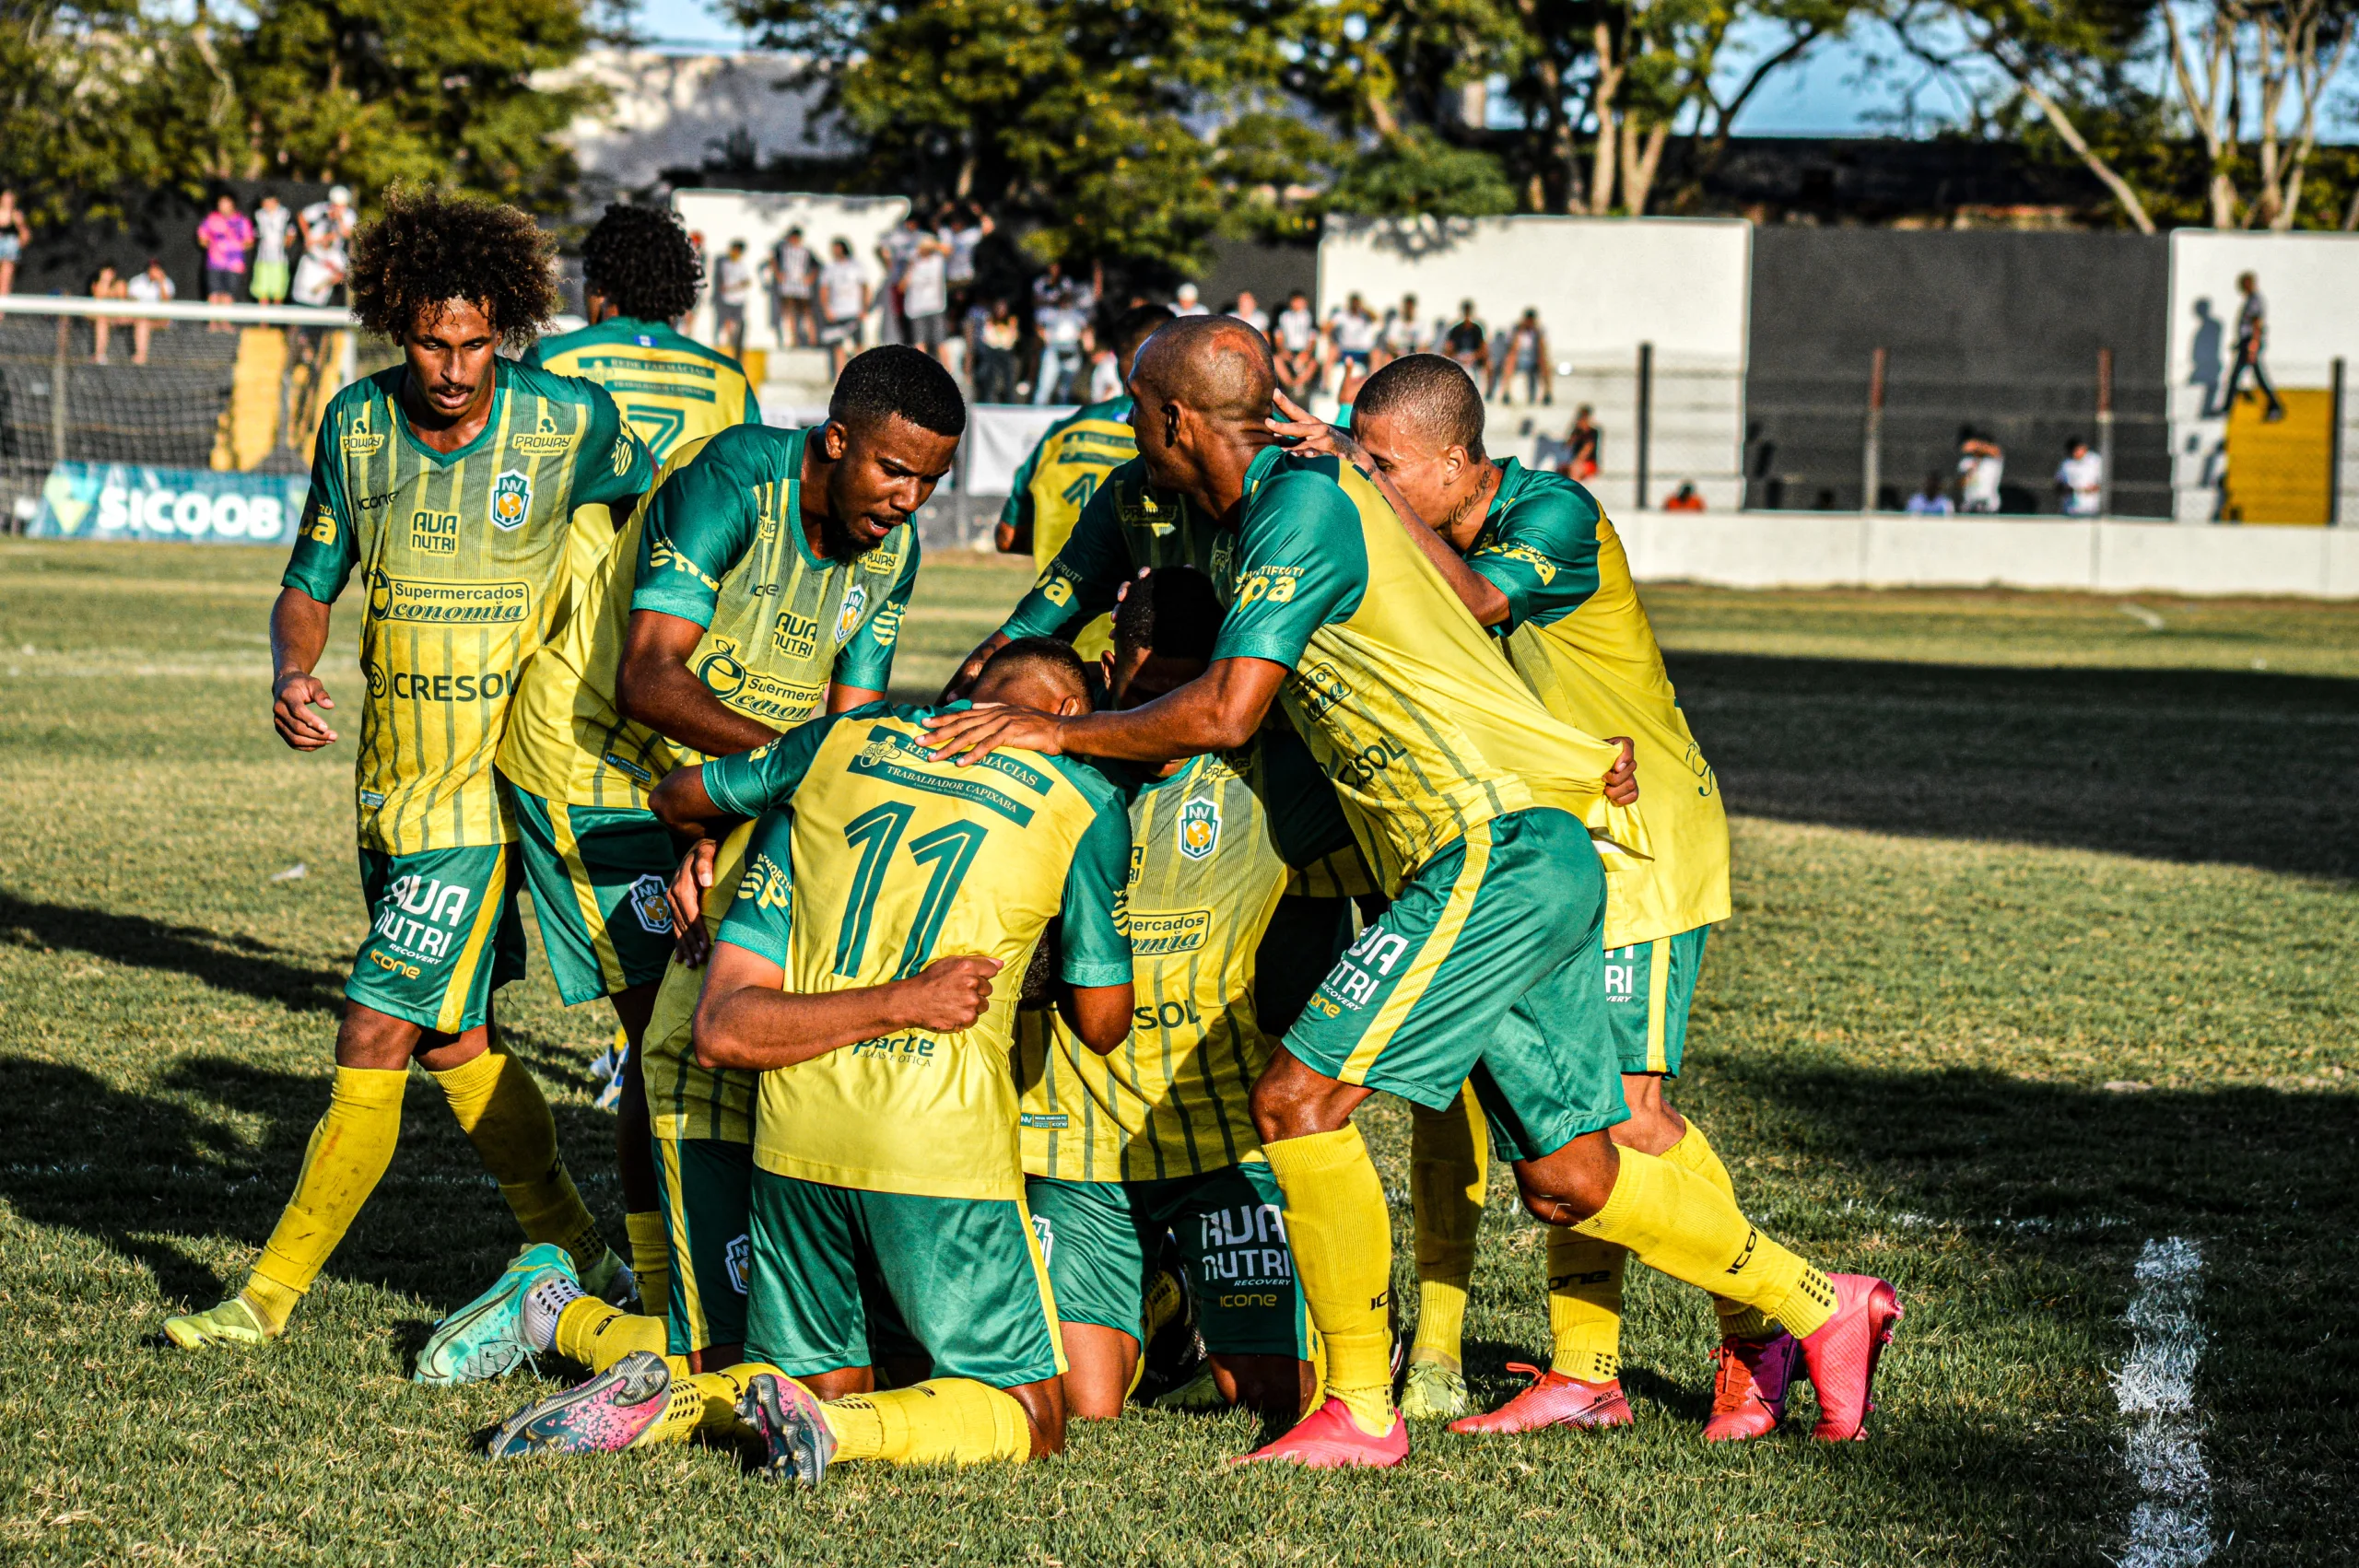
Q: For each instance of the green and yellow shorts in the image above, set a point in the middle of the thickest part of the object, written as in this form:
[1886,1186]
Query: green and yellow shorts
[597,875]
[706,1186]
[1098,1236]
[835,1269]
[443,935]
[1648,987]
[1484,971]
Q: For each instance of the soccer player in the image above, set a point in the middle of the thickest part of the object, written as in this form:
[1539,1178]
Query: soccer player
[765,586]
[1065,468]
[1477,808]
[1160,1134]
[887,1194]
[453,477]
[1545,570]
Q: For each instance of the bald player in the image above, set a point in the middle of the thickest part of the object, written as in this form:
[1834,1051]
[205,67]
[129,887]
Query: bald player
[1476,808]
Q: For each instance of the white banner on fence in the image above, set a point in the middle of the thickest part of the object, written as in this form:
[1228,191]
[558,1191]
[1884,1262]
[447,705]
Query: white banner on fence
[123,500]
[1000,436]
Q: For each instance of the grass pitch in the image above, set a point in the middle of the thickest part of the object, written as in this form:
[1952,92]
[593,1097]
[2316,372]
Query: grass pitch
[2044,946]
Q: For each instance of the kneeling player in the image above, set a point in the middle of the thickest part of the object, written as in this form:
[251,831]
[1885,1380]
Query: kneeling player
[1159,1133]
[887,1197]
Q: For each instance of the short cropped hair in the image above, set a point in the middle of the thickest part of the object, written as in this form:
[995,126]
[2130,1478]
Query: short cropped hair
[1170,612]
[899,380]
[1433,392]
[1049,656]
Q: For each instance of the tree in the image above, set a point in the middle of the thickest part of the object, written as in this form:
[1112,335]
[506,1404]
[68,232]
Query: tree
[2240,71]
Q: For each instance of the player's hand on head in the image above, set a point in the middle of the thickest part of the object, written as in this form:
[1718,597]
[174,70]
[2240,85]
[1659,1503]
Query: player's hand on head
[1622,778]
[949,994]
[292,700]
[687,894]
[971,735]
[1314,435]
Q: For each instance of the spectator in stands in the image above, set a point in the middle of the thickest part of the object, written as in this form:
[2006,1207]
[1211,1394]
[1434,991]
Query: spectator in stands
[2080,481]
[1399,334]
[14,235]
[732,287]
[152,287]
[1105,370]
[1584,447]
[844,299]
[1351,333]
[1684,499]
[2252,336]
[108,284]
[327,230]
[1932,500]
[925,296]
[1189,303]
[271,222]
[996,340]
[897,249]
[792,270]
[963,227]
[1297,341]
[1526,354]
[1062,305]
[228,235]
[1466,342]
[1982,465]
[1249,309]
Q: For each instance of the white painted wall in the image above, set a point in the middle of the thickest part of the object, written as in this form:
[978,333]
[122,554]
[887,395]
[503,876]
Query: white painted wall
[669,111]
[2309,281]
[1602,287]
[761,219]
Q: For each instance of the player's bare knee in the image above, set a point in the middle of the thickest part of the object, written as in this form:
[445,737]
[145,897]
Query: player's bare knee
[1044,1412]
[1291,1100]
[1567,1187]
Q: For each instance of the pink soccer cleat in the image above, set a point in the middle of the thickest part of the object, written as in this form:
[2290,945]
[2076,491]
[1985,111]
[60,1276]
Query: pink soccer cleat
[1328,1439]
[1553,1400]
[1842,1355]
[1749,1392]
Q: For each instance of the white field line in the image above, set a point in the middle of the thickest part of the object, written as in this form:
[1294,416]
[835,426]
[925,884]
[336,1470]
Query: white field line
[2171,1527]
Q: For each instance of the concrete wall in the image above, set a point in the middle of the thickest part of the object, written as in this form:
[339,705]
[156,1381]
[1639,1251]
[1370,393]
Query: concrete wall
[2310,282]
[672,111]
[1602,287]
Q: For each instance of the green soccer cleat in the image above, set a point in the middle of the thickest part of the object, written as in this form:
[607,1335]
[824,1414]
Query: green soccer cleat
[610,1279]
[232,1323]
[485,1338]
[1435,1392]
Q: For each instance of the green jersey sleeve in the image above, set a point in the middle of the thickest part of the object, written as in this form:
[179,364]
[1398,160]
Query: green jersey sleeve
[1018,511]
[1082,582]
[1541,552]
[326,549]
[749,783]
[700,523]
[752,406]
[761,914]
[1301,565]
[866,663]
[1096,933]
[530,358]
[1306,820]
[611,466]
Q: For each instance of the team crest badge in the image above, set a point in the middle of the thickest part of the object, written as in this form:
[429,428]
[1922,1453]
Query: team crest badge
[738,1258]
[511,498]
[847,618]
[1199,827]
[647,902]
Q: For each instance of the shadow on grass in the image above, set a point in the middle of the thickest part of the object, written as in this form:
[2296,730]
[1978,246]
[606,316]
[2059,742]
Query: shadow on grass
[230,963]
[2195,766]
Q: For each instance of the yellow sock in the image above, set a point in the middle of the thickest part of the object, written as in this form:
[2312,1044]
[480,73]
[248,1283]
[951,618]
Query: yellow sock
[946,1420]
[346,1157]
[597,1336]
[1684,1226]
[1694,1155]
[502,1111]
[1448,1176]
[650,1258]
[703,1401]
[1585,1305]
[1343,1255]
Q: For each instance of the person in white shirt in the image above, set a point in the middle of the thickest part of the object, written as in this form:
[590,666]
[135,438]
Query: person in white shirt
[793,274]
[732,287]
[1931,501]
[271,223]
[1062,305]
[1981,463]
[1399,334]
[844,296]
[1105,375]
[327,229]
[1248,310]
[1297,339]
[151,287]
[1188,302]
[1352,331]
[925,295]
[2080,480]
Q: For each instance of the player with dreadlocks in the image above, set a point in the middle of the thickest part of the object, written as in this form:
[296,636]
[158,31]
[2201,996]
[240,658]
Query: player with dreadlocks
[453,478]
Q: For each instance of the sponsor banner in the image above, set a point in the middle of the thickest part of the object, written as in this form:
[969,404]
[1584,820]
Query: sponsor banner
[126,500]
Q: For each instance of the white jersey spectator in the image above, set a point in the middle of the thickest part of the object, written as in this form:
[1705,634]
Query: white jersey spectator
[1982,465]
[2080,480]
[1188,302]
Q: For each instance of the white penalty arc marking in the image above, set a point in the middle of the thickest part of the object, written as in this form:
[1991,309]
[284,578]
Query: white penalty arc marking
[2171,1527]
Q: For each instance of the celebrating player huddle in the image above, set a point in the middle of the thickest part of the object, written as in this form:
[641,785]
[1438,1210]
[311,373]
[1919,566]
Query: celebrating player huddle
[993,1060]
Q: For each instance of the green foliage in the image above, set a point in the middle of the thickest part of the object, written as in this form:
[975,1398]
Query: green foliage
[1416,171]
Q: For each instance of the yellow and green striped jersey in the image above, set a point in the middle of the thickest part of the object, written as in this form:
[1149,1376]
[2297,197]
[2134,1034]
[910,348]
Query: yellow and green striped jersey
[722,543]
[671,389]
[1403,699]
[1057,482]
[1127,526]
[888,860]
[1212,847]
[1580,638]
[688,1100]
[464,555]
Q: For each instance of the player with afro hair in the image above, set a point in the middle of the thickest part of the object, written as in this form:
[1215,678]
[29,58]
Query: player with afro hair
[434,248]
[638,262]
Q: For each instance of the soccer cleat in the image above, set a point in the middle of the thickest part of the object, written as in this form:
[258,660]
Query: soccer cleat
[1553,1400]
[610,1279]
[1749,1390]
[1434,1392]
[485,1338]
[601,1416]
[607,1068]
[796,1438]
[1328,1439]
[1842,1355]
[1201,1392]
[232,1323]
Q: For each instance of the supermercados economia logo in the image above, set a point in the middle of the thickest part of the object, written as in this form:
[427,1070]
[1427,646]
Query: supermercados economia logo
[447,604]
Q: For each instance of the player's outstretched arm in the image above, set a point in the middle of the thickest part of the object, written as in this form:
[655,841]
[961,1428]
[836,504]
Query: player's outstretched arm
[299,634]
[1219,710]
[746,1020]
[655,687]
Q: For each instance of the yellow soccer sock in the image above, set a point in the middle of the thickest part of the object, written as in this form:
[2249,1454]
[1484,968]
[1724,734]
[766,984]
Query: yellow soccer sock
[1684,1226]
[1694,1155]
[597,1336]
[502,1111]
[346,1157]
[1448,1176]
[948,1419]
[698,1402]
[650,1258]
[1585,1305]
[1343,1255]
